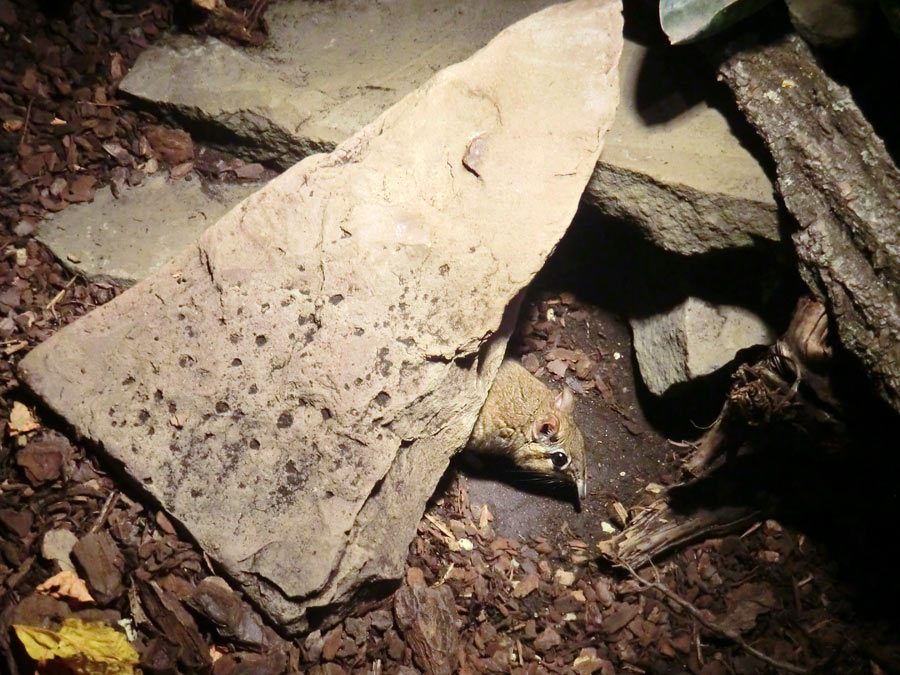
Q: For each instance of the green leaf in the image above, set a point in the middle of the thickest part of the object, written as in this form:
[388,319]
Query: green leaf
[688,20]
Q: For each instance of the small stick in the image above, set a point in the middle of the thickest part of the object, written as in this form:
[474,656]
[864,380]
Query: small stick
[27,119]
[439,525]
[59,296]
[105,511]
[732,635]
[444,576]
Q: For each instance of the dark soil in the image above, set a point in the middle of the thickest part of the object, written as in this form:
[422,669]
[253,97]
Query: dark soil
[526,586]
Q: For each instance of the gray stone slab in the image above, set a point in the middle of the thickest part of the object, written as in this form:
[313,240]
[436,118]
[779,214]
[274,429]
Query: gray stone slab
[128,238]
[328,69]
[675,168]
[693,339]
[291,387]
[672,167]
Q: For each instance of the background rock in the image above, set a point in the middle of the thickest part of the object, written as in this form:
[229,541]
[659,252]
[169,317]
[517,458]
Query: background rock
[128,238]
[292,386]
[693,339]
[829,23]
[673,164]
[325,71]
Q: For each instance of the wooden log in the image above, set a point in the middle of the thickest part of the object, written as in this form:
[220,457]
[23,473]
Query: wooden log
[839,182]
[787,391]
[659,529]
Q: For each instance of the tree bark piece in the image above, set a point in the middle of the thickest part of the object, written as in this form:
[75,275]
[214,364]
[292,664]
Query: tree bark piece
[428,619]
[770,390]
[659,529]
[103,564]
[838,180]
[787,388]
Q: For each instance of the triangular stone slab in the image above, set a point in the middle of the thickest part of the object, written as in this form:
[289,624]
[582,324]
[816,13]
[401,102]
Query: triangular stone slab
[292,386]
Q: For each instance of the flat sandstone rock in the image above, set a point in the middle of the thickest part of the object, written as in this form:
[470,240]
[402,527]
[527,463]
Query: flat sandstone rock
[672,165]
[693,339]
[326,70]
[129,237]
[292,386]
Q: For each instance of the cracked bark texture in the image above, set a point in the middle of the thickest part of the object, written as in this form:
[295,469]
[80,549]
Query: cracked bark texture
[292,387]
[839,182]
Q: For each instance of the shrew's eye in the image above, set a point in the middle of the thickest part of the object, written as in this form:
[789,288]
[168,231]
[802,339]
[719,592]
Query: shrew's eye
[559,459]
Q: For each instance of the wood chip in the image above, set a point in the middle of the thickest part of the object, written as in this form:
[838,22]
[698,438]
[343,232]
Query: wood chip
[528,584]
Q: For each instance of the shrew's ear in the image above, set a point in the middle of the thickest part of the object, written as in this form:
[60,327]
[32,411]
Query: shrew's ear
[545,429]
[565,401]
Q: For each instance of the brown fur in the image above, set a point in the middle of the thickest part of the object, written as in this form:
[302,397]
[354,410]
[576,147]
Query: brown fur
[526,421]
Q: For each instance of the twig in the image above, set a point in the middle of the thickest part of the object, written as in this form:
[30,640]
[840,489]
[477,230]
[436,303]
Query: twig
[444,576]
[108,506]
[732,635]
[25,123]
[439,525]
[259,6]
[139,15]
[59,296]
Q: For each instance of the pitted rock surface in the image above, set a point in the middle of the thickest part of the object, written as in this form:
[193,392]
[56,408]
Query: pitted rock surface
[292,386]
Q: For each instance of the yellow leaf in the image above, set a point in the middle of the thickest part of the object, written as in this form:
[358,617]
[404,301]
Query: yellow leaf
[66,584]
[87,648]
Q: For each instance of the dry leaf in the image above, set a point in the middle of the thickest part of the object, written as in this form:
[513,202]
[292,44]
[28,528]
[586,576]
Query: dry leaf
[415,577]
[66,585]
[81,189]
[116,67]
[531,363]
[29,79]
[745,603]
[21,421]
[173,146]
[164,523]
[86,647]
[249,171]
